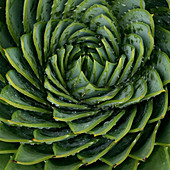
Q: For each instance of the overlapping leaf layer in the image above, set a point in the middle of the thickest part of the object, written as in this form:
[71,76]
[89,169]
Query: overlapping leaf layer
[84,84]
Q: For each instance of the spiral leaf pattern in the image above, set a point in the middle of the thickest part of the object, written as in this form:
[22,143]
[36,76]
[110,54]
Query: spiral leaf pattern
[84,84]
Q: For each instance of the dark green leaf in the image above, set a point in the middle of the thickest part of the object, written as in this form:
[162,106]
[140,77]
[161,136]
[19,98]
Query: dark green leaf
[33,154]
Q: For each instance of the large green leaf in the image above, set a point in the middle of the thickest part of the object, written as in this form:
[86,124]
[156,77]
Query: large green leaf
[33,154]
[14,12]
[159,159]
[16,99]
[72,146]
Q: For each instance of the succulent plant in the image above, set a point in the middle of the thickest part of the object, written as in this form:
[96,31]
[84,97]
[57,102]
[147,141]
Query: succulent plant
[84,84]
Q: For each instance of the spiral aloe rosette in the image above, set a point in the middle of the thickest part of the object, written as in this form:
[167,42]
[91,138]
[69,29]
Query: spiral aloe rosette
[84,84]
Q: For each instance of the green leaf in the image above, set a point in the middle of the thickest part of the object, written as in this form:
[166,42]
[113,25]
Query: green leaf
[75,69]
[33,154]
[106,74]
[29,14]
[130,55]
[160,106]
[120,7]
[138,15]
[115,76]
[144,111]
[96,151]
[14,12]
[6,112]
[103,20]
[109,51]
[34,119]
[78,82]
[154,3]
[101,51]
[84,6]
[6,39]
[161,16]
[31,55]
[72,146]
[154,83]
[96,72]
[88,123]
[159,159]
[143,30]
[25,87]
[49,86]
[140,90]
[89,91]
[57,8]
[123,125]
[123,96]
[15,56]
[80,33]
[52,135]
[128,164]
[61,104]
[51,76]
[161,62]
[51,24]
[58,66]
[137,42]
[69,49]
[119,152]
[68,163]
[105,32]
[13,165]
[146,142]
[105,126]
[70,6]
[6,148]
[87,66]
[163,136]
[57,32]
[68,31]
[16,99]
[94,11]
[43,10]
[38,38]
[4,160]
[60,62]
[162,39]
[15,134]
[65,116]
[97,99]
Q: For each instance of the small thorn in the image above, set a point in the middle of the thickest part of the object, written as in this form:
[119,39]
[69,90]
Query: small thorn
[145,159]
[54,157]
[14,161]
[114,166]
[85,164]
[152,15]
[141,129]
[162,116]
